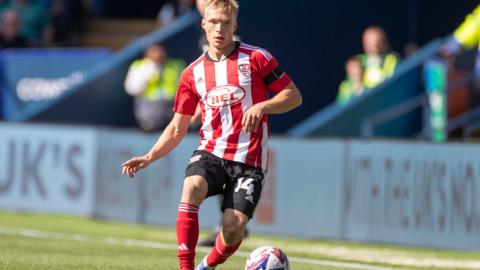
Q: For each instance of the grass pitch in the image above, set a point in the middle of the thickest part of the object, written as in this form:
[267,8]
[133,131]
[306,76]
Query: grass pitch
[36,241]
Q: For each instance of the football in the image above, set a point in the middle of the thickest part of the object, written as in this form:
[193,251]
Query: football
[267,258]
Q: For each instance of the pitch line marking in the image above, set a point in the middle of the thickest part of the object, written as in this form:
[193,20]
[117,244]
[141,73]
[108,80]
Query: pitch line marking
[159,245]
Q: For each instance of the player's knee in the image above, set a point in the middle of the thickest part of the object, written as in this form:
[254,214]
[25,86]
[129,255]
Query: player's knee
[232,233]
[233,227]
[195,190]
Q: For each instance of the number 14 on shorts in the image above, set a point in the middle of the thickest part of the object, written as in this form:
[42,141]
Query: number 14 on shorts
[247,185]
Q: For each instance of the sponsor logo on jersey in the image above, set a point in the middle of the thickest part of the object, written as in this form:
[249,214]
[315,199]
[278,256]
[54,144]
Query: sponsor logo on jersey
[244,68]
[225,95]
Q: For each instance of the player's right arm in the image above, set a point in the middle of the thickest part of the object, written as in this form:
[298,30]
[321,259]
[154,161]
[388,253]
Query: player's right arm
[170,138]
[184,108]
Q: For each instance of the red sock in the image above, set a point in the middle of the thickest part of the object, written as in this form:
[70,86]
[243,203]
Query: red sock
[187,235]
[220,252]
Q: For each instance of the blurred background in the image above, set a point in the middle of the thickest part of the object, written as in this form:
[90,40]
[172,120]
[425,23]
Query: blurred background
[312,46]
[388,130]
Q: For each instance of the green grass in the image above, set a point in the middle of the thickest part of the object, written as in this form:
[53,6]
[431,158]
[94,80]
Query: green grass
[93,252]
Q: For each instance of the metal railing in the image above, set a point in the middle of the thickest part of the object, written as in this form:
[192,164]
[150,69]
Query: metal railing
[421,101]
[369,124]
[468,121]
[470,128]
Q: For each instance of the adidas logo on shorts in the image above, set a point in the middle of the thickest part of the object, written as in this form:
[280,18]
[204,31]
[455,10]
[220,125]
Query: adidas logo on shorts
[195,158]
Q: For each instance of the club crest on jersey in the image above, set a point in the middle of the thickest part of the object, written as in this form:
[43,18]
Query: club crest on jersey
[244,68]
[225,95]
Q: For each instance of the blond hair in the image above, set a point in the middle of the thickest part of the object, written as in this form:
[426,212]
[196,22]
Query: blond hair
[224,5]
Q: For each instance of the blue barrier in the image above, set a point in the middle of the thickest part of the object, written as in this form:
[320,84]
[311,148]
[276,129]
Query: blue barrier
[33,78]
[98,97]
[346,121]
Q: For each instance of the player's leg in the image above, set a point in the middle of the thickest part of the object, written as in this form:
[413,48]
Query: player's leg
[194,192]
[209,241]
[240,199]
[228,240]
[204,177]
[233,227]
[230,236]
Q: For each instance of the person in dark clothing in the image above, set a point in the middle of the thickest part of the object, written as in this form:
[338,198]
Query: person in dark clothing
[10,31]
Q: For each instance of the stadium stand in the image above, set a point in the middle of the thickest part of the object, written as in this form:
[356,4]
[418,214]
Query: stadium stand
[101,89]
[115,33]
[347,120]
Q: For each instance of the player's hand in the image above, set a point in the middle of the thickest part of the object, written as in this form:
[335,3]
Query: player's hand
[133,165]
[251,118]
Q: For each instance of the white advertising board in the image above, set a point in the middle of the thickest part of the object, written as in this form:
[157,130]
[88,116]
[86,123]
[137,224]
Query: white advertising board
[152,196]
[303,183]
[414,193]
[381,191]
[302,190]
[47,168]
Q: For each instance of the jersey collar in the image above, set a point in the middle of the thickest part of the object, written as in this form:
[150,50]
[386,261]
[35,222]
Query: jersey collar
[207,56]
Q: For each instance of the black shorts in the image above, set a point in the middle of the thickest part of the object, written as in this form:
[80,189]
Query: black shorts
[240,184]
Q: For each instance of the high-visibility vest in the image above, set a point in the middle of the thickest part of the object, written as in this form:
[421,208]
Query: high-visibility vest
[348,90]
[162,84]
[376,70]
[468,33]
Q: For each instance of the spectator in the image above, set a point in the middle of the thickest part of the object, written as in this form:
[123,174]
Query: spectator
[67,19]
[10,31]
[153,81]
[352,86]
[95,8]
[410,48]
[200,6]
[172,9]
[36,27]
[377,60]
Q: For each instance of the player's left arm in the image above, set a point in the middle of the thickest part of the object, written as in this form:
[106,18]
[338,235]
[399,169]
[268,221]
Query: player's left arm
[286,100]
[287,95]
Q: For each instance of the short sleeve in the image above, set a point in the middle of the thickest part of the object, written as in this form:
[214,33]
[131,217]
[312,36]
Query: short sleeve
[186,99]
[270,71]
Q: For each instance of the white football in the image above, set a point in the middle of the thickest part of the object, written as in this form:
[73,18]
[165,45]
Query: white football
[267,258]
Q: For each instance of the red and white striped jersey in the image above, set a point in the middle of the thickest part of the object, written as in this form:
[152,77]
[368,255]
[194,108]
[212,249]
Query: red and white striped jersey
[226,90]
